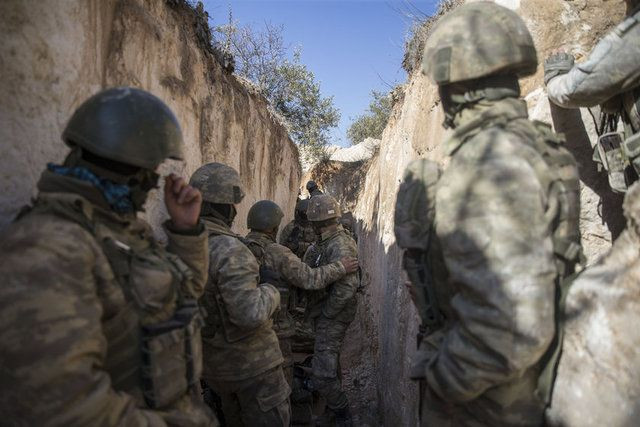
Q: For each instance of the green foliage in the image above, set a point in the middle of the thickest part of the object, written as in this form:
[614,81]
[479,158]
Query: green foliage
[372,123]
[292,89]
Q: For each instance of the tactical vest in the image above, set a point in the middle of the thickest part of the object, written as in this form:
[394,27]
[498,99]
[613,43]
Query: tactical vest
[218,318]
[152,359]
[283,322]
[557,173]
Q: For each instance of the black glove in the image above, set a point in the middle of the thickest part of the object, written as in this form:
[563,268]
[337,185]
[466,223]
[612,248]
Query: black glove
[556,64]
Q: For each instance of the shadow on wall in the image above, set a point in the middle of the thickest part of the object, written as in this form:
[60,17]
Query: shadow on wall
[375,374]
[569,122]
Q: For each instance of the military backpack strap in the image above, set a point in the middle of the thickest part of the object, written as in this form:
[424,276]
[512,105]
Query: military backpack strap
[414,222]
[256,248]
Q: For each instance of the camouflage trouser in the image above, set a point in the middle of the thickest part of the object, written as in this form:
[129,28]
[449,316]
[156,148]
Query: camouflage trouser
[287,354]
[259,401]
[504,406]
[326,357]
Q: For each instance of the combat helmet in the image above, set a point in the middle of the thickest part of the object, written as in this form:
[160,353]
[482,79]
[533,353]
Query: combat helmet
[218,183]
[126,125]
[476,40]
[264,215]
[323,207]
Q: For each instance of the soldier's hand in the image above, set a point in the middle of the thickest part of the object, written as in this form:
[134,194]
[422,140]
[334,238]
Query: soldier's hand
[350,264]
[559,62]
[183,202]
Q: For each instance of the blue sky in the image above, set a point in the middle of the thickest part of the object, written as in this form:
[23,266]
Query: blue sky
[352,46]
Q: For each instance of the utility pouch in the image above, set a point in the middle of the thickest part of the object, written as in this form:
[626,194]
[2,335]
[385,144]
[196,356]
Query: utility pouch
[612,156]
[171,356]
[632,150]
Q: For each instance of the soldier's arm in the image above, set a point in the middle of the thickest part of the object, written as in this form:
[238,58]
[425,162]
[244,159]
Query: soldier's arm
[193,249]
[611,69]
[248,303]
[500,257]
[344,289]
[300,275]
[53,346]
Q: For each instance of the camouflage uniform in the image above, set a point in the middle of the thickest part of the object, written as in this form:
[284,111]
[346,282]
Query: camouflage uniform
[505,228]
[297,237]
[609,77]
[295,274]
[242,360]
[333,310]
[99,322]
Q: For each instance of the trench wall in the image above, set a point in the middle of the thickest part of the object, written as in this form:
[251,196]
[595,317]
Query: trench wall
[55,54]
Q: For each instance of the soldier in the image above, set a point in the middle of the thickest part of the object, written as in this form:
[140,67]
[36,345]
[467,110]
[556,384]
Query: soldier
[609,77]
[264,220]
[242,360]
[332,309]
[313,189]
[100,324]
[504,231]
[298,235]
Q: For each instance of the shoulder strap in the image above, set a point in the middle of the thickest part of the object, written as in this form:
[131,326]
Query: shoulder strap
[256,248]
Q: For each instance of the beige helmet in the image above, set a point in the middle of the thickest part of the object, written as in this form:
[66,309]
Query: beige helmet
[323,207]
[218,183]
[477,40]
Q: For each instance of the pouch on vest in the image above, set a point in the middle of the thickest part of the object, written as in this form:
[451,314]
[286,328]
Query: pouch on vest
[632,150]
[172,356]
[611,155]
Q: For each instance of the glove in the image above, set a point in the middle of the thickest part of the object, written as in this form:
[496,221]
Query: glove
[556,64]
[270,276]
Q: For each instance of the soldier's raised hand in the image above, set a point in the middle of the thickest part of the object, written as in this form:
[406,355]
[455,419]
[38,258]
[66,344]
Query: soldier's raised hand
[183,202]
[350,264]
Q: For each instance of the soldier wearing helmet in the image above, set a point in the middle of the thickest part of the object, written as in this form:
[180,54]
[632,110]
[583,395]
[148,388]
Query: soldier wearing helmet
[504,230]
[609,77]
[264,220]
[242,360]
[298,235]
[313,189]
[332,309]
[100,323]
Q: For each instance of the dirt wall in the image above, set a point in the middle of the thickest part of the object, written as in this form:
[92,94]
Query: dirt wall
[55,54]
[376,357]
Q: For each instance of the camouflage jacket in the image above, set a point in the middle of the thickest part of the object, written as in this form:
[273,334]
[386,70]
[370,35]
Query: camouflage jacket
[294,273]
[609,76]
[61,302]
[498,291]
[297,237]
[238,338]
[331,247]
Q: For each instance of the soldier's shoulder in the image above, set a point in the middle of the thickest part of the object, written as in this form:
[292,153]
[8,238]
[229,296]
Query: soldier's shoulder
[46,230]
[222,245]
[342,241]
[497,145]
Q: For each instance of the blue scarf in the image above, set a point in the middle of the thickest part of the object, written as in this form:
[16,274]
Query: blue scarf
[118,196]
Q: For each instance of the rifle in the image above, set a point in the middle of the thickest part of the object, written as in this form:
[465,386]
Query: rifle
[416,264]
